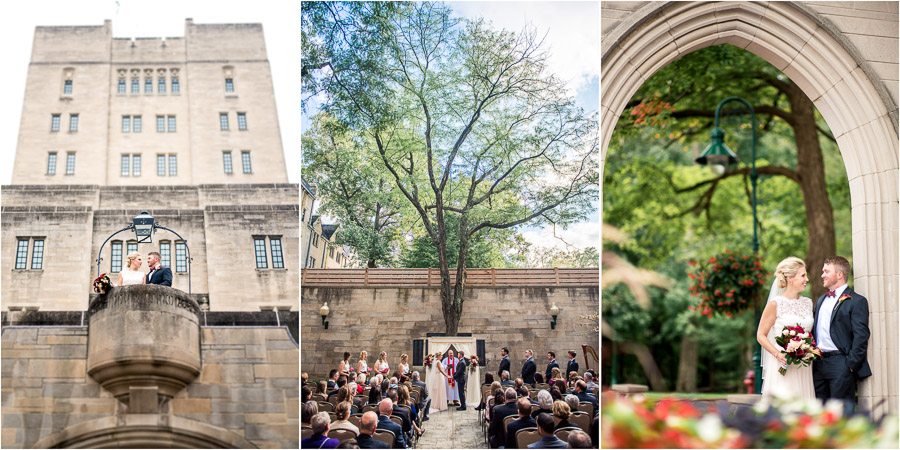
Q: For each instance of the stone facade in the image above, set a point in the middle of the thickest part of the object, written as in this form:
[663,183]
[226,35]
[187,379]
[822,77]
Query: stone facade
[389,319]
[201,62]
[843,55]
[319,247]
[248,385]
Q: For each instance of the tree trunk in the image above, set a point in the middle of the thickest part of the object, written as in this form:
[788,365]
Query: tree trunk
[371,263]
[687,365]
[645,358]
[811,168]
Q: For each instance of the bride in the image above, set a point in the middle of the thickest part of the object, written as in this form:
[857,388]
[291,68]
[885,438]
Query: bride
[129,273]
[785,307]
[437,384]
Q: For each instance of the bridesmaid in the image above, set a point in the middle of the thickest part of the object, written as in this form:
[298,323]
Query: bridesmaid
[362,367]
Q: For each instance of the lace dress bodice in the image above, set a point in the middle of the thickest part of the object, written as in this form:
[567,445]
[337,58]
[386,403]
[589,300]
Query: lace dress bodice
[132,277]
[792,312]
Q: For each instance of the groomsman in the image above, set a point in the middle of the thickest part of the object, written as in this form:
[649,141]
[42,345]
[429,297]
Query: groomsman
[504,362]
[572,365]
[552,357]
[529,368]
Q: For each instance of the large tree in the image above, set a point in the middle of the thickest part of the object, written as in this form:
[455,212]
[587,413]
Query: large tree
[466,119]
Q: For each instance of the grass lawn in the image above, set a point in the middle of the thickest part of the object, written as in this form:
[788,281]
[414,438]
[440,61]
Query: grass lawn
[656,396]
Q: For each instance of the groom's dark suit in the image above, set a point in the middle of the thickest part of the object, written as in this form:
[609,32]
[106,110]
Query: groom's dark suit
[459,374]
[835,375]
[161,276]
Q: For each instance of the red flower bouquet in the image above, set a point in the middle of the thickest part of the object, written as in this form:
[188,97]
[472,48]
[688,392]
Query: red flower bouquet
[799,347]
[102,284]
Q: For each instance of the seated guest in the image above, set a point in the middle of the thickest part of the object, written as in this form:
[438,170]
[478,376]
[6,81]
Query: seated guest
[304,377]
[538,378]
[492,393]
[561,385]
[305,394]
[367,429]
[522,392]
[319,439]
[385,423]
[562,412]
[374,395]
[589,380]
[524,421]
[403,400]
[556,374]
[545,429]
[349,443]
[342,416]
[332,380]
[573,377]
[495,431]
[322,387]
[498,400]
[545,404]
[404,414]
[309,410]
[394,383]
[504,379]
[554,392]
[488,380]
[360,383]
[579,439]
[424,401]
[595,432]
[572,401]
[583,396]
[346,395]
[519,383]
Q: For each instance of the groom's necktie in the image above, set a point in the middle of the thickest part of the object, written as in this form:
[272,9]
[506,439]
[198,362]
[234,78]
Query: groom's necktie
[829,293]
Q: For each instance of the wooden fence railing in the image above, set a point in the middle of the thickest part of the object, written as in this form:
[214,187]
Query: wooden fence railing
[563,277]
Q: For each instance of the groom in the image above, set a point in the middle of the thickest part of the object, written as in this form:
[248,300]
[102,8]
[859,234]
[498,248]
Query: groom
[158,274]
[460,376]
[841,331]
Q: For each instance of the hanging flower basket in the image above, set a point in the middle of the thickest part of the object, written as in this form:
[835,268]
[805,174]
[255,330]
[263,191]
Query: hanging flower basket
[727,283]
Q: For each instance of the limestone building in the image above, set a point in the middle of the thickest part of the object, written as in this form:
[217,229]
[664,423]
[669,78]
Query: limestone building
[319,247]
[186,129]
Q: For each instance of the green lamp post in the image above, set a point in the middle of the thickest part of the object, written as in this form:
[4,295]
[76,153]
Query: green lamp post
[718,154]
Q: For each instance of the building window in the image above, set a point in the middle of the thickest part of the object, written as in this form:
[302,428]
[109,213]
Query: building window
[115,264]
[303,216]
[277,257]
[226,157]
[175,87]
[171,124]
[315,239]
[67,88]
[51,163]
[259,245]
[135,85]
[126,165]
[229,85]
[73,122]
[173,165]
[126,124]
[54,122]
[22,254]
[160,124]
[136,125]
[148,85]
[180,257]
[70,163]
[162,85]
[312,262]
[136,165]
[223,121]
[132,247]
[165,253]
[242,121]
[245,161]
[161,165]
[121,88]
[331,252]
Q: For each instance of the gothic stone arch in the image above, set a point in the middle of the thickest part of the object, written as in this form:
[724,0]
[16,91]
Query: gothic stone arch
[861,114]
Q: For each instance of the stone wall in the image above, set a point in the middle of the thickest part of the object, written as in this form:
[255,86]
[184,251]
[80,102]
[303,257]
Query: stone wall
[389,319]
[248,384]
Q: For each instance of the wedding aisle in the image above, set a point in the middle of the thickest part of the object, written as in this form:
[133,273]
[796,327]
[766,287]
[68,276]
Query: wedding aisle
[453,429]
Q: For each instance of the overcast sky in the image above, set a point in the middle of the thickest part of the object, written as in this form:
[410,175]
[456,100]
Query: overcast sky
[158,18]
[573,37]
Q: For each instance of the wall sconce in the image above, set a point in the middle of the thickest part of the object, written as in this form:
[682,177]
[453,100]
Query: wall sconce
[323,311]
[554,311]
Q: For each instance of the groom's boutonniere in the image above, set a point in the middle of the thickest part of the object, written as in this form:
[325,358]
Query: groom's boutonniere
[841,300]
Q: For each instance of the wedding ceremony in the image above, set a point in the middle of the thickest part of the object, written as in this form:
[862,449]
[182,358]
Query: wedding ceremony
[450,225]
[750,239]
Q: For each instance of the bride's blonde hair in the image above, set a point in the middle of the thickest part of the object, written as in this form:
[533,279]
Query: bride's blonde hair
[788,268]
[130,258]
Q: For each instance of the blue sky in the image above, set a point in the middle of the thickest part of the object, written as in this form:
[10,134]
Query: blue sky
[573,37]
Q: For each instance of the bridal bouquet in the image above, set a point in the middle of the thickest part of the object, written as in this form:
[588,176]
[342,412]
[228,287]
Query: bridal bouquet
[799,347]
[473,363]
[102,284]
[428,362]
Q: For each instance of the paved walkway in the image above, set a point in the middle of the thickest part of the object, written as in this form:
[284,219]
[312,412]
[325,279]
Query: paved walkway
[453,429]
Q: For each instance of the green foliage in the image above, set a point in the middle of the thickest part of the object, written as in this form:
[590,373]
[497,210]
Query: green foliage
[494,248]
[728,283]
[557,257]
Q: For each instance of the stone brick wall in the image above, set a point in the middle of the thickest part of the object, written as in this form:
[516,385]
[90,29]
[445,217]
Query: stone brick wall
[248,385]
[388,319]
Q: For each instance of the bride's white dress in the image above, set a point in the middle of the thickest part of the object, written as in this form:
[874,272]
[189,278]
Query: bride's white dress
[132,277]
[798,380]
[437,388]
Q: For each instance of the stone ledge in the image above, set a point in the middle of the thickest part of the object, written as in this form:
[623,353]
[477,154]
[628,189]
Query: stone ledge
[629,388]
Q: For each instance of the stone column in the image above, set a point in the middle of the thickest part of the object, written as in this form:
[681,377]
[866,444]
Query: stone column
[144,344]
